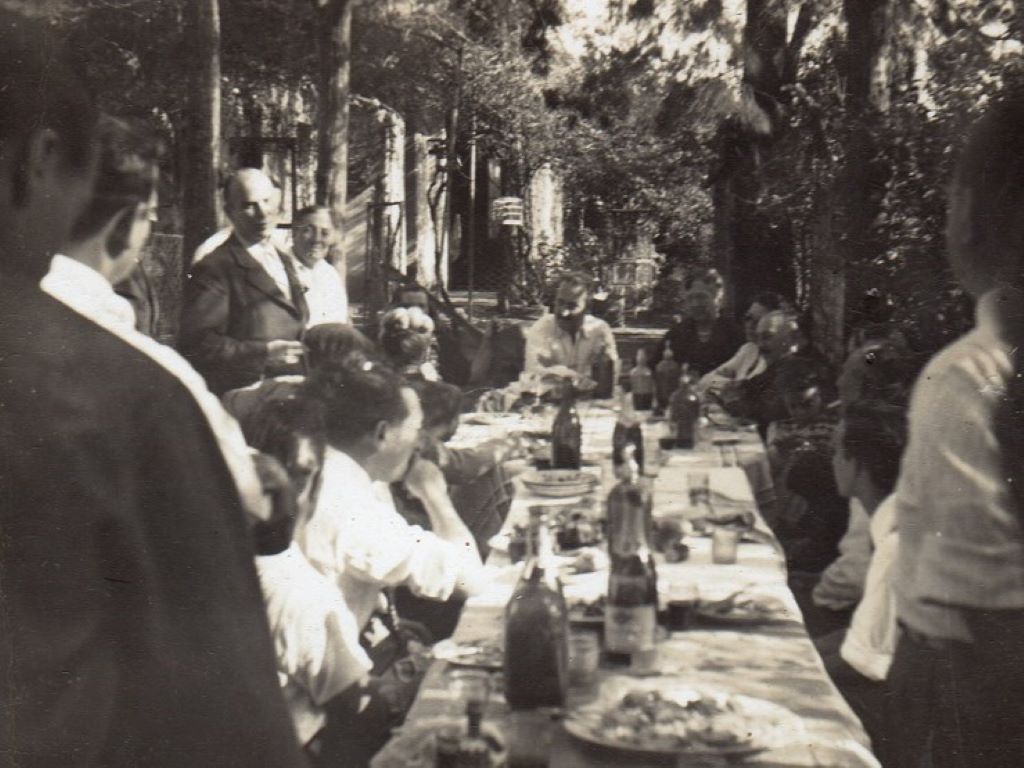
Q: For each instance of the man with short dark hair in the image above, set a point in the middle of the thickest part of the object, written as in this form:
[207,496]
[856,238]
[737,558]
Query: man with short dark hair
[244,308]
[569,337]
[132,628]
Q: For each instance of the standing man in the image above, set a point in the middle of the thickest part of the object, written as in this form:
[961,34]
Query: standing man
[131,624]
[570,336]
[313,235]
[244,308]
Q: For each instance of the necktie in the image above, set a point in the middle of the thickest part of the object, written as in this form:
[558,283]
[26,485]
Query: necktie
[298,292]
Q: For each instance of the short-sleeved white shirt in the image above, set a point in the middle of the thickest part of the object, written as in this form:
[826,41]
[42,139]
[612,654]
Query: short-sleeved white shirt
[548,345]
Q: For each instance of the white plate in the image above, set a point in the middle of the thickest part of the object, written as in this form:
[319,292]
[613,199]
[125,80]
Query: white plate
[765,725]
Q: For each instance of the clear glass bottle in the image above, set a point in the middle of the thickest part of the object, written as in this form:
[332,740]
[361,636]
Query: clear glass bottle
[666,377]
[641,381]
[628,431]
[632,606]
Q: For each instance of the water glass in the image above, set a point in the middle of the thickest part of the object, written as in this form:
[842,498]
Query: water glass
[725,542]
[584,656]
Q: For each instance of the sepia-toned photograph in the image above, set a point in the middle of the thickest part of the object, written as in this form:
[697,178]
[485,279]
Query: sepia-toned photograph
[511,383]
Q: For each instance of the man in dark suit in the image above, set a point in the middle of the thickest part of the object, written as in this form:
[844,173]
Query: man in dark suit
[131,626]
[245,310]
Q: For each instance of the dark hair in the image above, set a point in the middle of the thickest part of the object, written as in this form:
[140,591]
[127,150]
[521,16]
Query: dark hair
[798,373]
[276,423]
[874,436]
[331,343]
[711,277]
[309,210]
[441,402]
[125,176]
[770,300]
[40,86]
[577,280]
[889,372]
[991,166]
[357,394]
[404,288]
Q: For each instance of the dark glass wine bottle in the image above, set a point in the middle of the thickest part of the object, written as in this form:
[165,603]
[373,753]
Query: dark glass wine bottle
[628,431]
[684,410]
[537,633]
[603,374]
[632,606]
[566,433]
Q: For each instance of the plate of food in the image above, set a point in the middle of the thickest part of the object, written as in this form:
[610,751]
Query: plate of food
[484,654]
[667,717]
[742,610]
[559,483]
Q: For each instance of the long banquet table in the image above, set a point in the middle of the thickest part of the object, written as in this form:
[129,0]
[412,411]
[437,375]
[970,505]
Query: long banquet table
[776,662]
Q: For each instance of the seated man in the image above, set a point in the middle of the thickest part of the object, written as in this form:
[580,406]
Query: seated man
[569,337]
[705,339]
[868,446]
[320,663]
[244,309]
[313,235]
[355,535]
[747,362]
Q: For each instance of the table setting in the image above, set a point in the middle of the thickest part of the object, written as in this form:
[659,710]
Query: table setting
[732,677]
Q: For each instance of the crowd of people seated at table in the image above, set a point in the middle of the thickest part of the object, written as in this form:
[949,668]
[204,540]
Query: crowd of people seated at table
[240,562]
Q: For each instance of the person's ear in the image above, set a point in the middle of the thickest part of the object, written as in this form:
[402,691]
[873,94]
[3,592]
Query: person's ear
[115,232]
[380,433]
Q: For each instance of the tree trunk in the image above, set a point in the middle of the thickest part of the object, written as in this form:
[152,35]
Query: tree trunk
[753,252]
[201,137]
[859,184]
[334,49]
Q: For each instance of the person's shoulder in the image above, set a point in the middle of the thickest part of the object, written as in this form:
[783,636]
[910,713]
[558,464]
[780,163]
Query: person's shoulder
[542,324]
[596,324]
[976,364]
[220,259]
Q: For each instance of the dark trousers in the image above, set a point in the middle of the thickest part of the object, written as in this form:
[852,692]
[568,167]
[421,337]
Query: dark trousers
[956,705]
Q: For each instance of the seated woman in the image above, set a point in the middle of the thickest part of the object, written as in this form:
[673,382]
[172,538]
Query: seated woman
[321,665]
[406,336]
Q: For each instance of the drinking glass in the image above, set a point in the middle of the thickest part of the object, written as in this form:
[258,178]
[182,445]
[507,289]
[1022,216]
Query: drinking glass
[724,544]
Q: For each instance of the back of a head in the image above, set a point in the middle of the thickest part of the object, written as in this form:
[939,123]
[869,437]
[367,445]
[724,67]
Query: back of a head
[357,395]
[874,435]
[331,344]
[405,336]
[126,176]
[441,402]
[275,425]
[40,89]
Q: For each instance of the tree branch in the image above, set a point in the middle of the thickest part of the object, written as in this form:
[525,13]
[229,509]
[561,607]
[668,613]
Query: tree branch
[804,22]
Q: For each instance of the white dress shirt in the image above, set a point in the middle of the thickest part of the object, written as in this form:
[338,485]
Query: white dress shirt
[268,257]
[325,293]
[961,536]
[356,537]
[871,639]
[745,364]
[88,293]
[548,345]
[315,637]
[842,584]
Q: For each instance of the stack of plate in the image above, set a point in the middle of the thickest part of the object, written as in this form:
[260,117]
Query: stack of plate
[559,483]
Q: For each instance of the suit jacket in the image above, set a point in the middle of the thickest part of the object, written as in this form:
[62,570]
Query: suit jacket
[231,309]
[131,623]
